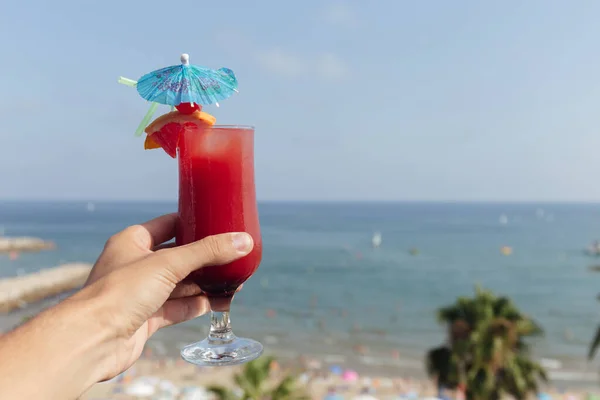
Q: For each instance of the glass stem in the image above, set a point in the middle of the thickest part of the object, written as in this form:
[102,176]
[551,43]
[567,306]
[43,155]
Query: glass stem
[220,328]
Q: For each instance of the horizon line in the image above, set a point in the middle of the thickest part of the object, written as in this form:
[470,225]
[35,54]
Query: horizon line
[315,201]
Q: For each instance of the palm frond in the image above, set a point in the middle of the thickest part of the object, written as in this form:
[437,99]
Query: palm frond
[594,345]
[287,390]
[487,348]
[255,383]
[441,364]
[222,393]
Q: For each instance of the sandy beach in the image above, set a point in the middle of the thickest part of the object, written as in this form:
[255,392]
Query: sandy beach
[170,378]
[159,373]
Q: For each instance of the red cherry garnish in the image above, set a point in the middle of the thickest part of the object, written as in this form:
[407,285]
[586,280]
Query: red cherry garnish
[188,108]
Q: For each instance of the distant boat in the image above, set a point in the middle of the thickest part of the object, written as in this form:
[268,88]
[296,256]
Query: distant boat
[593,249]
[91,207]
[550,363]
[376,240]
[503,220]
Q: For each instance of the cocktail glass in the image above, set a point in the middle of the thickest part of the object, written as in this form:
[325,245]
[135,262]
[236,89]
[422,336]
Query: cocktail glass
[217,195]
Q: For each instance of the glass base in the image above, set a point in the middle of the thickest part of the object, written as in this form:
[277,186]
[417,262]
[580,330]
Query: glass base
[218,354]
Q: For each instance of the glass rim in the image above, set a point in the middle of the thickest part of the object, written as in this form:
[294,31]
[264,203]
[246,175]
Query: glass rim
[239,127]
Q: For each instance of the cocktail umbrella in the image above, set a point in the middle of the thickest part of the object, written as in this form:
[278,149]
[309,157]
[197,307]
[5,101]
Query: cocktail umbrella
[183,83]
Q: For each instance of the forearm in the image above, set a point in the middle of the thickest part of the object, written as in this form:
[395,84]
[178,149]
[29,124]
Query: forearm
[57,355]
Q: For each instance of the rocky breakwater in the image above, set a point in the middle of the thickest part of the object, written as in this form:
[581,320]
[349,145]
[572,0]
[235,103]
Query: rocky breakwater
[17,292]
[24,244]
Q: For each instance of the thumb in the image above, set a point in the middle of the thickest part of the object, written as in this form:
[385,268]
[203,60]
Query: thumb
[212,250]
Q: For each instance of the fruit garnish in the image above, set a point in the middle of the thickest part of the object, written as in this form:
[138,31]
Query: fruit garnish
[188,108]
[168,138]
[192,84]
[165,130]
[150,143]
[176,116]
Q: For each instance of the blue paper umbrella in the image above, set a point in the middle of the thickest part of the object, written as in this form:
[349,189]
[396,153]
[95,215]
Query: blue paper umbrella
[187,83]
[183,83]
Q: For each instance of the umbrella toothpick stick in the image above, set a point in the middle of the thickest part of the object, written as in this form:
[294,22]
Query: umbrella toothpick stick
[146,119]
[127,81]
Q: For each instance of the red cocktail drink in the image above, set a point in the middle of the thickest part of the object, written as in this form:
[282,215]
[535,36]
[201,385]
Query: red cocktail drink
[217,195]
[216,188]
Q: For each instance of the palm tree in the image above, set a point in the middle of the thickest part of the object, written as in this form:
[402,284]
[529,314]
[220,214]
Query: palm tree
[254,383]
[594,345]
[486,352]
[596,340]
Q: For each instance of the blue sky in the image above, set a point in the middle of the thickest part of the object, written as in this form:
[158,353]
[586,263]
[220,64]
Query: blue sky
[387,100]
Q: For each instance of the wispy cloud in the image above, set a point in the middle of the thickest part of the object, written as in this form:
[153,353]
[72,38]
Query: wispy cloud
[281,62]
[233,40]
[331,67]
[327,66]
[339,13]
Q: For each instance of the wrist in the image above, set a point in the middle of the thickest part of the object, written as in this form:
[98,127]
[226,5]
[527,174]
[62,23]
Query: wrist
[93,331]
[58,354]
[82,342]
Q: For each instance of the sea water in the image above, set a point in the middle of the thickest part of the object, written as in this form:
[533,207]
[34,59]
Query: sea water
[322,288]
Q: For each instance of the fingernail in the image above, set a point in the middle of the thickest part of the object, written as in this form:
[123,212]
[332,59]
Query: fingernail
[242,242]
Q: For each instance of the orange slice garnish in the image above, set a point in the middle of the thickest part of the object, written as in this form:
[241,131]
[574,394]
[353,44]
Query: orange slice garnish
[150,143]
[165,131]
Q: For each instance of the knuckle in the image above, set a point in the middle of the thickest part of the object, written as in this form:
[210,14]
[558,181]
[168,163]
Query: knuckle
[170,260]
[125,234]
[133,232]
[214,249]
[176,263]
[113,240]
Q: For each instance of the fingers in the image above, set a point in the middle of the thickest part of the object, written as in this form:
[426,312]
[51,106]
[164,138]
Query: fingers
[146,235]
[132,243]
[160,229]
[179,262]
[185,289]
[178,310]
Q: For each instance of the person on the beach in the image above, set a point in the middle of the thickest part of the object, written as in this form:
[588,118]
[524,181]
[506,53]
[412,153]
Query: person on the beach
[366,393]
[332,394]
[134,289]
